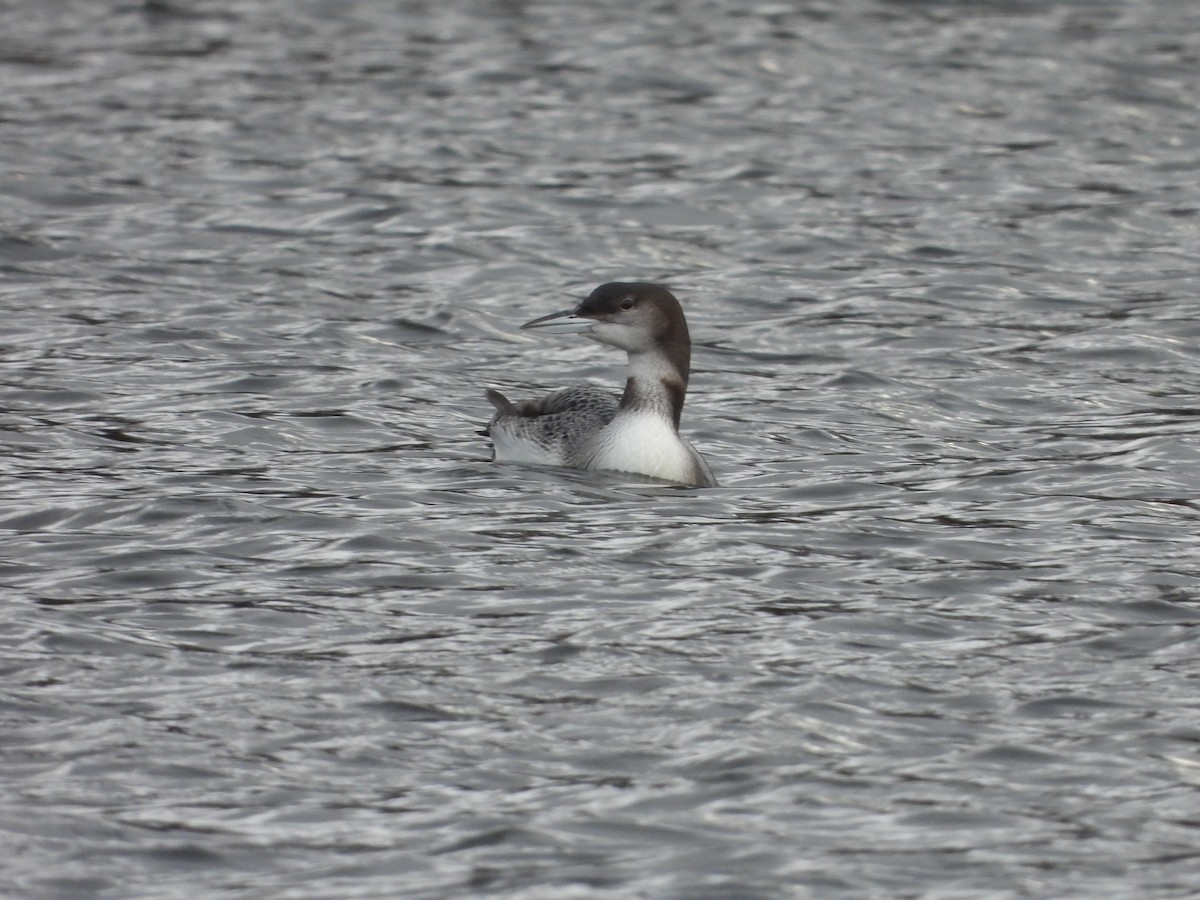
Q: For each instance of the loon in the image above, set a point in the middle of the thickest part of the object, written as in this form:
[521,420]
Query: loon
[586,427]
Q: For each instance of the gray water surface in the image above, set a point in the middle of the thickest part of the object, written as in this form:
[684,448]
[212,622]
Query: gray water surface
[274,626]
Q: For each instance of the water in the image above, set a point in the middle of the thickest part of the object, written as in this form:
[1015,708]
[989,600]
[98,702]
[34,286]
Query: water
[273,624]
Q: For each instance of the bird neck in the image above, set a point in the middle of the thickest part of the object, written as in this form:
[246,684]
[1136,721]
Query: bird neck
[656,384]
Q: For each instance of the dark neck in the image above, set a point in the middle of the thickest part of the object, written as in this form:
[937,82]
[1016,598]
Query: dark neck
[658,383]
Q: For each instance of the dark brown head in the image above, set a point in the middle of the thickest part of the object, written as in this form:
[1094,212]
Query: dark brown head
[640,318]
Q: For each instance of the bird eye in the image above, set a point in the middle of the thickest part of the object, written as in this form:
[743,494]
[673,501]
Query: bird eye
[627,303]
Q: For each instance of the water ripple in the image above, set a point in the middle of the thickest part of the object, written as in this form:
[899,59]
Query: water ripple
[274,624]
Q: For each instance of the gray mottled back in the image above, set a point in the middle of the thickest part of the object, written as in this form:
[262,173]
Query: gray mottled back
[562,422]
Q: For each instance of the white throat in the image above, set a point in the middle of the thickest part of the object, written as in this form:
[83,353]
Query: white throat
[652,367]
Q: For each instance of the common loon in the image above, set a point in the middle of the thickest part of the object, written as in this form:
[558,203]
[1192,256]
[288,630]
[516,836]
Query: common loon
[586,427]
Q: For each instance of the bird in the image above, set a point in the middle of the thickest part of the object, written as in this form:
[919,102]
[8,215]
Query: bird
[585,427]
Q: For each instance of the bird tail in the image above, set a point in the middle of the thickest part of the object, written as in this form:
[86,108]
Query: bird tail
[503,405]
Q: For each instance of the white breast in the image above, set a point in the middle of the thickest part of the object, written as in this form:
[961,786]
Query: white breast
[644,444]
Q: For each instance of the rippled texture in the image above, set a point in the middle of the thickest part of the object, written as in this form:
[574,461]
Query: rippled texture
[274,625]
